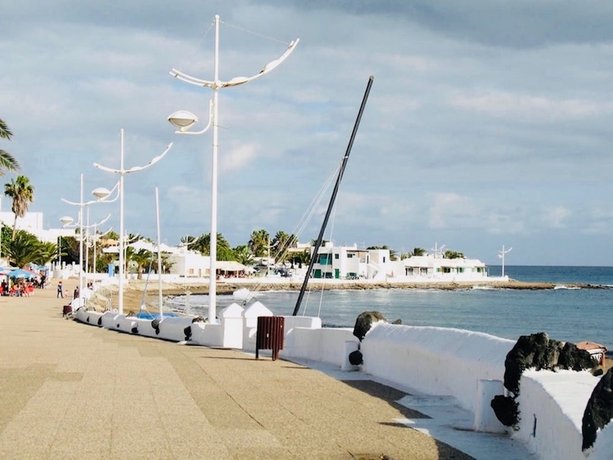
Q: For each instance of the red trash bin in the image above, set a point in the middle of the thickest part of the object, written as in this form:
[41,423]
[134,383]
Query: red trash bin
[270,335]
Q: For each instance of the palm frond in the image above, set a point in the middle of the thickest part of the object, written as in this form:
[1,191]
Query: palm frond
[8,162]
[5,132]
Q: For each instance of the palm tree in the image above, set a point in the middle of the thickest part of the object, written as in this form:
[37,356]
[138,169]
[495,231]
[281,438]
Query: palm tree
[22,193]
[243,255]
[449,254]
[282,242]
[25,248]
[418,252]
[202,244]
[7,161]
[259,242]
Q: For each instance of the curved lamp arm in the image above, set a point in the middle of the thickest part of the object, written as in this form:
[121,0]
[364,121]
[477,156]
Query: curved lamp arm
[85,203]
[206,128]
[236,80]
[135,168]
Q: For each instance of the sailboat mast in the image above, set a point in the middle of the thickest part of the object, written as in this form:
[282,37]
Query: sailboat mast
[333,197]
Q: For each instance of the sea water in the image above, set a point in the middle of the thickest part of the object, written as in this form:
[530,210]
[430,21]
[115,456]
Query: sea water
[565,314]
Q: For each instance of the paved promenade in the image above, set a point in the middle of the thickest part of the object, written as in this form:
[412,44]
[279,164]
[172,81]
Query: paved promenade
[69,390]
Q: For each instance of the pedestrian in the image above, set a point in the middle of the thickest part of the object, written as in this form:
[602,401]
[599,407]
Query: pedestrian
[75,294]
[60,290]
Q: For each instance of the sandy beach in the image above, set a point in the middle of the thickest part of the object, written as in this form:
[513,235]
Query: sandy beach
[76,391]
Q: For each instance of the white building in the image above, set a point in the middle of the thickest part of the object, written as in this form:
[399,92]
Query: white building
[436,267]
[349,262]
[189,264]
[32,223]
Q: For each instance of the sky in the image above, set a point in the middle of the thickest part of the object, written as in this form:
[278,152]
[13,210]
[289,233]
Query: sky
[489,123]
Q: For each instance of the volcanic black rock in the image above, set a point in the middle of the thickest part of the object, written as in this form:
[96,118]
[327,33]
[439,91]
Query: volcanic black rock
[364,321]
[599,409]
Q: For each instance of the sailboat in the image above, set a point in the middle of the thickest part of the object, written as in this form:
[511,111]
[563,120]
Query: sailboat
[337,184]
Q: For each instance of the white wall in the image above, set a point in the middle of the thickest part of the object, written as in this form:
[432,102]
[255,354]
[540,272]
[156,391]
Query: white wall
[556,400]
[435,361]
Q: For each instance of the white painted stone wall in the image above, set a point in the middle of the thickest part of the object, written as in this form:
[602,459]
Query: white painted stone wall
[551,408]
[436,361]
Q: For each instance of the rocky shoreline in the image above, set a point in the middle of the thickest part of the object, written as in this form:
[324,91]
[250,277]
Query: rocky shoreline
[134,294]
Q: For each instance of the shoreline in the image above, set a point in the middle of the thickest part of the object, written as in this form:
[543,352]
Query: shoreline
[135,295]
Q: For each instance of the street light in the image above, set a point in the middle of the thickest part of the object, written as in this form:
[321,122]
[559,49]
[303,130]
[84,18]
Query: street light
[67,223]
[122,172]
[184,120]
[101,196]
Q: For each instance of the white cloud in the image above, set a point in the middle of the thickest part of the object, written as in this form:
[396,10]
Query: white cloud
[556,217]
[465,125]
[452,210]
[510,105]
[237,156]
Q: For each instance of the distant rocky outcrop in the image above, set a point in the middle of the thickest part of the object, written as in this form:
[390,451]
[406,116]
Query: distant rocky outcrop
[540,352]
[599,409]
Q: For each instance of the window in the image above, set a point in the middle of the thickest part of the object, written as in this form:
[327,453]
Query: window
[336,256]
[325,259]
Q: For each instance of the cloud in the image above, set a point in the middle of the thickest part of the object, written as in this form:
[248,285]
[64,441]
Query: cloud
[556,217]
[452,210]
[509,105]
[238,156]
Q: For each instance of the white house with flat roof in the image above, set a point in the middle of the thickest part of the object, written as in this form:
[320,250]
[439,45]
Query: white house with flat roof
[349,262]
[436,267]
[32,223]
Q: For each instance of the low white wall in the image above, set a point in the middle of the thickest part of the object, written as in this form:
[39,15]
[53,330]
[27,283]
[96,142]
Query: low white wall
[551,406]
[207,334]
[436,361]
[293,345]
[433,360]
[604,444]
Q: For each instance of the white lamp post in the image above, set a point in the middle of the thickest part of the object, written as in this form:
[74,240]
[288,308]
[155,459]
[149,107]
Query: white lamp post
[501,255]
[184,120]
[67,223]
[122,172]
[101,195]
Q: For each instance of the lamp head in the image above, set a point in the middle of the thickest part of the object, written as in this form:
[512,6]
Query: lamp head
[66,220]
[101,193]
[183,120]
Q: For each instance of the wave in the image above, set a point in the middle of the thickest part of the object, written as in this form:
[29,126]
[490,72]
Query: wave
[563,286]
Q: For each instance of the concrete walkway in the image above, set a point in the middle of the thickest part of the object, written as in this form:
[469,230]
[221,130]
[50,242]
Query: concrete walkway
[69,390]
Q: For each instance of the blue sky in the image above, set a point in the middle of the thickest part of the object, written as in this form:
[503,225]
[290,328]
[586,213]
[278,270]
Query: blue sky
[489,122]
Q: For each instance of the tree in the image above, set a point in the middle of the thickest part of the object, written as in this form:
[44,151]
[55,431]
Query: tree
[301,258]
[25,248]
[202,244]
[243,255]
[418,252]
[258,243]
[282,242]
[22,193]
[449,254]
[142,258]
[7,161]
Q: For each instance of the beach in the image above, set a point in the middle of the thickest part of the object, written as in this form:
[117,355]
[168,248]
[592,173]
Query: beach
[76,391]
[139,291]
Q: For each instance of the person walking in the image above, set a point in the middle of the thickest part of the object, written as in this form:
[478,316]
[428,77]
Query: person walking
[60,290]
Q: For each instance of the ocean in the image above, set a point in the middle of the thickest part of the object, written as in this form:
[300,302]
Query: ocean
[565,314]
